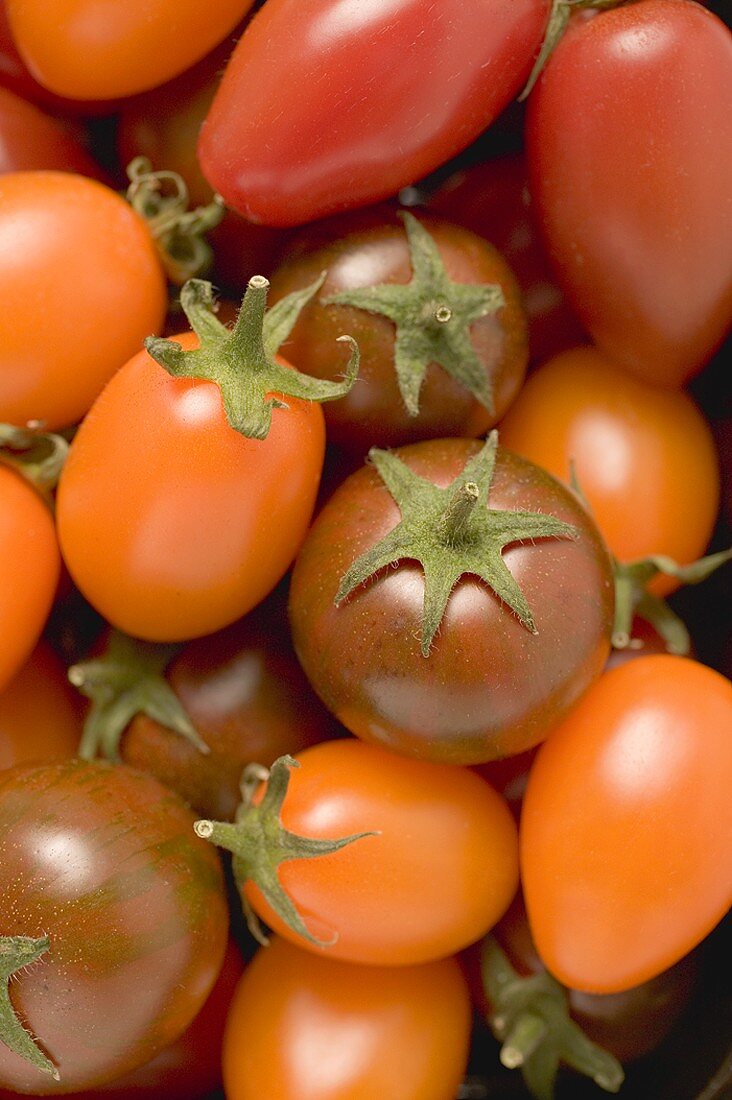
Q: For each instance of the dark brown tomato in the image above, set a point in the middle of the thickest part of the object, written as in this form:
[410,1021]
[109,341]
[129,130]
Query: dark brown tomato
[369,249]
[493,200]
[489,687]
[40,713]
[104,861]
[249,700]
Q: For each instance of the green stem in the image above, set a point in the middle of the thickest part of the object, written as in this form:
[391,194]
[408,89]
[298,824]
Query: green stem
[454,521]
[17,953]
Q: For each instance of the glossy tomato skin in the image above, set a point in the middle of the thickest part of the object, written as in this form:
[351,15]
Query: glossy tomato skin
[302,1028]
[172,524]
[439,872]
[248,699]
[29,567]
[644,458]
[493,200]
[40,713]
[104,861]
[369,249]
[641,766]
[82,287]
[489,687]
[31,140]
[116,51]
[404,86]
[629,139]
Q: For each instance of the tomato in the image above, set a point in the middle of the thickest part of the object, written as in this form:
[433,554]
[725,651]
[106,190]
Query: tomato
[372,250]
[435,870]
[249,701]
[103,862]
[629,139]
[628,441]
[29,139]
[493,200]
[29,568]
[40,716]
[641,766]
[403,85]
[103,53]
[303,1028]
[81,285]
[172,522]
[489,686]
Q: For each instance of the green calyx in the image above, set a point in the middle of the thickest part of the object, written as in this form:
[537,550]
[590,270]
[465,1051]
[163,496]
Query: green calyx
[432,316]
[241,361]
[17,953]
[559,16]
[37,456]
[259,843]
[530,1016]
[633,600]
[161,199]
[128,680]
[451,532]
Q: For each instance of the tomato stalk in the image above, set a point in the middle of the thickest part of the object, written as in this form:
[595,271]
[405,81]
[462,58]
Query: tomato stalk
[161,199]
[39,457]
[241,361]
[432,315]
[125,681]
[530,1016]
[558,19]
[17,953]
[450,532]
[259,843]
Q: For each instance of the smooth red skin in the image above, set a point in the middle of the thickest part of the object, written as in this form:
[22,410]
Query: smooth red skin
[29,140]
[629,140]
[104,861]
[101,50]
[439,872]
[303,1028]
[29,567]
[82,286]
[489,687]
[641,766]
[40,713]
[493,200]
[249,700]
[171,523]
[370,248]
[328,105]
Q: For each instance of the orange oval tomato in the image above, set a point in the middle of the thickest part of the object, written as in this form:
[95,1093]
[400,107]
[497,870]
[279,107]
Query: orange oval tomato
[40,713]
[625,856]
[81,286]
[173,524]
[29,570]
[304,1028]
[440,872]
[102,51]
[644,458]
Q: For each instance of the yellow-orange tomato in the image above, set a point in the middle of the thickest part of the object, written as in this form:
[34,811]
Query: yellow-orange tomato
[625,856]
[91,50]
[304,1028]
[644,457]
[81,286]
[173,524]
[29,570]
[440,871]
[40,713]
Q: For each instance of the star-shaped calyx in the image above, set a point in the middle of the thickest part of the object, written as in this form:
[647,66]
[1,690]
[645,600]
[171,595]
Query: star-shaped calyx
[241,361]
[16,953]
[450,532]
[432,315]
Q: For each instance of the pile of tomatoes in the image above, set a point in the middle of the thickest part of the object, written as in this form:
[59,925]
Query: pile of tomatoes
[356,422]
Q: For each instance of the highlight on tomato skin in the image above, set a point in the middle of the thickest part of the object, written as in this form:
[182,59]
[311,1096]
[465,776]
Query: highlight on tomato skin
[641,765]
[303,1028]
